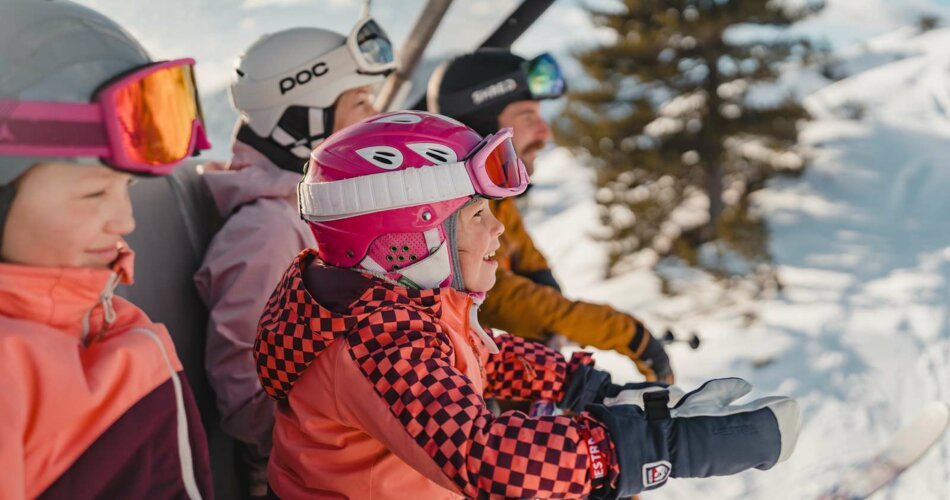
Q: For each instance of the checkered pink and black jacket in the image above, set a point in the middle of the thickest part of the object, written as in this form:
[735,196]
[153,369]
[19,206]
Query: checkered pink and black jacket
[380,394]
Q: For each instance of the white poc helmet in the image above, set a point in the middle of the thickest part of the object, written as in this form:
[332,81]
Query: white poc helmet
[286,84]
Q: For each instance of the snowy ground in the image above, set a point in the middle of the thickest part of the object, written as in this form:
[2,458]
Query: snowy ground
[861,333]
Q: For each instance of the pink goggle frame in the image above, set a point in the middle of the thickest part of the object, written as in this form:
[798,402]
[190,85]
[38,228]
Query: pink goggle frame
[494,167]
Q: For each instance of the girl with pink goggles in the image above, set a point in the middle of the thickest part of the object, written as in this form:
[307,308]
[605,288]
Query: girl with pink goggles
[378,194]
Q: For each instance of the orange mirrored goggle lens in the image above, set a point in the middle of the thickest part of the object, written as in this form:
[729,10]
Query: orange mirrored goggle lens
[156,115]
[502,166]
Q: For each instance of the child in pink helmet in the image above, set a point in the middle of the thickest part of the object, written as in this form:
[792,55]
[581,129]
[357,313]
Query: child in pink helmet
[372,347]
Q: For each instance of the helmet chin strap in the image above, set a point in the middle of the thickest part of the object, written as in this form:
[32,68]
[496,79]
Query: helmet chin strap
[278,155]
[284,156]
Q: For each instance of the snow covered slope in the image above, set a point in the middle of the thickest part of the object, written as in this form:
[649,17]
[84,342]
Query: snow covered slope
[861,333]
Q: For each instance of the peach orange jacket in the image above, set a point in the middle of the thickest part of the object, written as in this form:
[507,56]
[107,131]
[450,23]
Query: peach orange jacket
[94,402]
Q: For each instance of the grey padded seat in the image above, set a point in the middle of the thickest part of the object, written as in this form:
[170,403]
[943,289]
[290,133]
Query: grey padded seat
[175,220]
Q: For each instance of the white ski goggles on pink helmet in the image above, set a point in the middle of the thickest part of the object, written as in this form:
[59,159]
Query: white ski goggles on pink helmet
[492,170]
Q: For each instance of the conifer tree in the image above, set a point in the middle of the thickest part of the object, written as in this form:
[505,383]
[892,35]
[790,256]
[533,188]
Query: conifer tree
[678,114]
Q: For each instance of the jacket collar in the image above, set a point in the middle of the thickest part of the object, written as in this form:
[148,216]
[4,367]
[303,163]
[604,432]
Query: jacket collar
[296,326]
[65,298]
[421,297]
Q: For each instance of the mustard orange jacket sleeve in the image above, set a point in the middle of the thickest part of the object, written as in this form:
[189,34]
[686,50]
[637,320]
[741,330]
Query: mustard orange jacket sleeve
[522,307]
[529,307]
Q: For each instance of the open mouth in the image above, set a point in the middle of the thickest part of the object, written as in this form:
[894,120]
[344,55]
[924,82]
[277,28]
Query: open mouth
[489,256]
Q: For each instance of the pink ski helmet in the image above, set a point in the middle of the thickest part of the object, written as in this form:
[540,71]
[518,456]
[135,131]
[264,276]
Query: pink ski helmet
[377,194]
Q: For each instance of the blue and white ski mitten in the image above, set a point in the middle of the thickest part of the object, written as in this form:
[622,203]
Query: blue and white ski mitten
[703,435]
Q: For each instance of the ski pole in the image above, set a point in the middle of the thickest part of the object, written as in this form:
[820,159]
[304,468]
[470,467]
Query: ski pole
[693,340]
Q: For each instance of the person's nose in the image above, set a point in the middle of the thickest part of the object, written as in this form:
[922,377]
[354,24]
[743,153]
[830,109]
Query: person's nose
[544,131]
[123,221]
[497,227]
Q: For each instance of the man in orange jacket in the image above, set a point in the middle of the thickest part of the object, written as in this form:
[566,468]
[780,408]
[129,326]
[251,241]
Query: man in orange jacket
[491,89]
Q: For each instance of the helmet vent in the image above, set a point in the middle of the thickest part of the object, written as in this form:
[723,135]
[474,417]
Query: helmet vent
[439,154]
[404,118]
[385,157]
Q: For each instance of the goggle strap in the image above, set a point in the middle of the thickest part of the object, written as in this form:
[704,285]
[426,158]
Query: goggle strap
[472,98]
[39,128]
[324,201]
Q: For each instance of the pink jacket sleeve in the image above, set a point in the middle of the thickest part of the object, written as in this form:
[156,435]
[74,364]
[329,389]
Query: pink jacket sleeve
[242,266]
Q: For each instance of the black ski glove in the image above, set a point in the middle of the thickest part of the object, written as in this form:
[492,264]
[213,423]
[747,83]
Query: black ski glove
[654,363]
[703,435]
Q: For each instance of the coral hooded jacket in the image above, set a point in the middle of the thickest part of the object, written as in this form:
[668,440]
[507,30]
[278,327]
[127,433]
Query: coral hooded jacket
[94,402]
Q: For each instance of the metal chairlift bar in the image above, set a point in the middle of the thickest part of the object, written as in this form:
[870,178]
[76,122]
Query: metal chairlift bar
[426,24]
[517,23]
